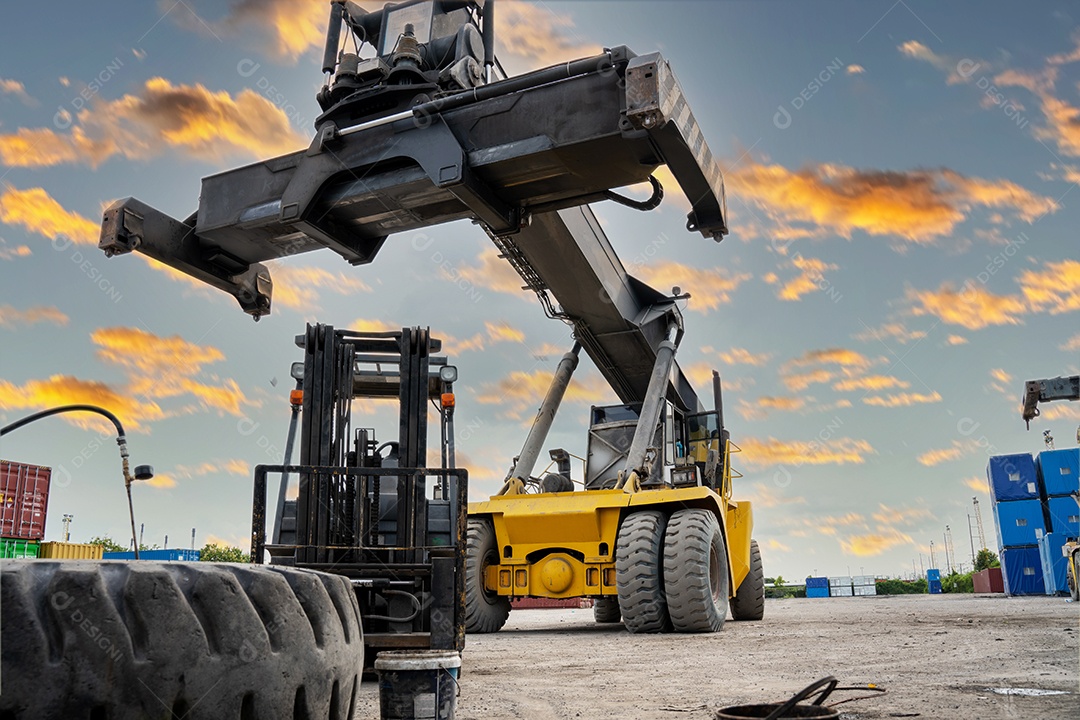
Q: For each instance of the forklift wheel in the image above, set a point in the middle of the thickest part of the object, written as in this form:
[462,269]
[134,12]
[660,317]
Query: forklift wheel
[695,571]
[161,640]
[749,600]
[639,572]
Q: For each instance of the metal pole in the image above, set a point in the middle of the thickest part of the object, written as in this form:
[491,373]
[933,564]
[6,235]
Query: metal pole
[545,416]
[971,537]
[192,538]
[279,511]
[652,406]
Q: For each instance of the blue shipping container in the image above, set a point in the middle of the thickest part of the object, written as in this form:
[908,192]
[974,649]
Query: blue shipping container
[817,592]
[817,582]
[1059,471]
[933,574]
[171,555]
[1055,566]
[1019,522]
[1021,571]
[1064,516]
[1013,477]
[934,586]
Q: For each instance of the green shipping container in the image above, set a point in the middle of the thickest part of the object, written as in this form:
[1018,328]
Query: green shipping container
[17,548]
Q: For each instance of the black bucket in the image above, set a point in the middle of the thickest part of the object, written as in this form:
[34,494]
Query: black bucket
[418,684]
[793,708]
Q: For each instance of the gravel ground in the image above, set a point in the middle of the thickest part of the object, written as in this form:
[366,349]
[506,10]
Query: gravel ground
[937,657]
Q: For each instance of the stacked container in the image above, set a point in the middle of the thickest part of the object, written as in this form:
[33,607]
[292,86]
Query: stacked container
[170,555]
[24,505]
[840,587]
[1059,473]
[864,585]
[70,551]
[1019,519]
[1055,566]
[817,587]
[933,581]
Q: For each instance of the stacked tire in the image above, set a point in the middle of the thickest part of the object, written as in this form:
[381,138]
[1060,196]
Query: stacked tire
[115,640]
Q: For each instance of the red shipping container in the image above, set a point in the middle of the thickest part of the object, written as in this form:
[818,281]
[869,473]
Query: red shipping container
[24,500]
[988,581]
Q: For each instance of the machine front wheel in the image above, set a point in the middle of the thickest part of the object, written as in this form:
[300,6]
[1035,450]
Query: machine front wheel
[485,612]
[695,571]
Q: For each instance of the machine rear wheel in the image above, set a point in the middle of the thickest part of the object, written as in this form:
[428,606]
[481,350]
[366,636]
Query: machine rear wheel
[485,612]
[749,600]
[606,609]
[639,572]
[695,571]
[118,640]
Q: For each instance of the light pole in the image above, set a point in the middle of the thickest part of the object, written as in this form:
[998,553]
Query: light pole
[67,526]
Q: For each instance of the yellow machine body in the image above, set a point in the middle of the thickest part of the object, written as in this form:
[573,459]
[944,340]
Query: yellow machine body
[562,545]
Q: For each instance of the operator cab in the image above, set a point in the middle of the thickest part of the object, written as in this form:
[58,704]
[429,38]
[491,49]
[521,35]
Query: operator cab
[687,448]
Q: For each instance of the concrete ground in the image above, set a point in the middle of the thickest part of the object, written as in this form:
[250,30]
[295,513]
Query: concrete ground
[938,656]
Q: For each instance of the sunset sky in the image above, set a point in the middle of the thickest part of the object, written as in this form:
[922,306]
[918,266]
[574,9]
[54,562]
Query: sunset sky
[903,256]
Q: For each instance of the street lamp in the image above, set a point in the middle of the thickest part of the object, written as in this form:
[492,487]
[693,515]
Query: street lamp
[67,526]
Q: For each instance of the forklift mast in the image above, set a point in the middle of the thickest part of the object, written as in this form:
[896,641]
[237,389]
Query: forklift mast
[374,512]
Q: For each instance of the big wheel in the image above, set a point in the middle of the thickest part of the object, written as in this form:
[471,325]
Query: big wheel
[695,571]
[485,612]
[118,640]
[749,600]
[639,572]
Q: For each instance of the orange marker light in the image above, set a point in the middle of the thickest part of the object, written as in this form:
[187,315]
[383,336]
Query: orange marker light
[448,400]
[296,397]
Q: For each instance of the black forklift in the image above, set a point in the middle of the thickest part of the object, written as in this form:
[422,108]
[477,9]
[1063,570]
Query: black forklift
[368,510]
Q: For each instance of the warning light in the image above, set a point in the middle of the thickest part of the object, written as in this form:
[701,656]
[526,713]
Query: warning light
[296,397]
[448,400]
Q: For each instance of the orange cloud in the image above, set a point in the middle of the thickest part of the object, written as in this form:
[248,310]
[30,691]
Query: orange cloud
[895,331]
[977,484]
[957,340]
[855,69]
[161,481]
[363,325]
[297,287]
[838,356]
[132,411]
[742,356]
[801,381]
[1060,411]
[957,450]
[973,307]
[1055,289]
[1071,344]
[919,206]
[811,277]
[709,288]
[760,408]
[838,451]
[37,212]
[492,273]
[521,392]
[762,495]
[900,516]
[11,317]
[871,382]
[202,123]
[10,253]
[873,544]
[164,367]
[774,544]
[495,333]
[539,35]
[1000,375]
[216,467]
[903,399]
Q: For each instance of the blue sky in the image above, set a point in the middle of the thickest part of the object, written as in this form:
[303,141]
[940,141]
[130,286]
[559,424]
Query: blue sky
[902,257]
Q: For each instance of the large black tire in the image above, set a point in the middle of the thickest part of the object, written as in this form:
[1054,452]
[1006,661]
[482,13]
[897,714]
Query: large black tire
[639,572]
[749,600]
[118,640]
[695,572]
[606,609]
[485,612]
